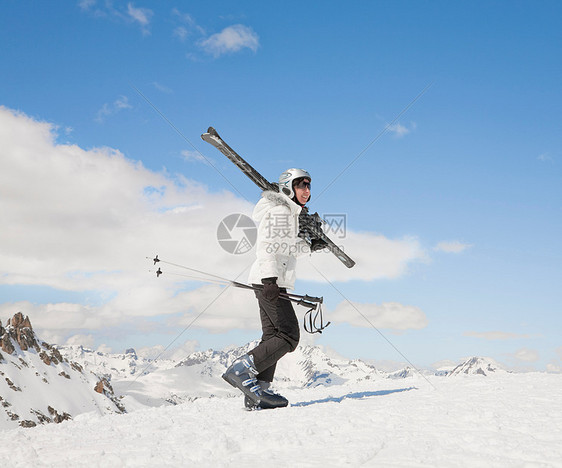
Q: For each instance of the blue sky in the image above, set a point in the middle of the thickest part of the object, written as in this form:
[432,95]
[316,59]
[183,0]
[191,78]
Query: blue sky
[453,213]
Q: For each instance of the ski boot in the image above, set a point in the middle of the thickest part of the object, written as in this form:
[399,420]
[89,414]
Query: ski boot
[268,399]
[242,375]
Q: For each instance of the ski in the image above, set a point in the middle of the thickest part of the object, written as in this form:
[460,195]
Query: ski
[311,224]
[214,139]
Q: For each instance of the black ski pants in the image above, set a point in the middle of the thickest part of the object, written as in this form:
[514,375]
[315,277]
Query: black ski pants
[281,334]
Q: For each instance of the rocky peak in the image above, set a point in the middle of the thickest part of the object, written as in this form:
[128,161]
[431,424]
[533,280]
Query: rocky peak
[38,385]
[18,321]
[18,329]
[478,366]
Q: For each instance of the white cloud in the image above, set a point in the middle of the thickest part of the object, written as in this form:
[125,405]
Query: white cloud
[103,348]
[187,25]
[176,353]
[142,16]
[444,364]
[196,156]
[181,33]
[87,341]
[132,14]
[399,130]
[162,88]
[219,309]
[545,157]
[231,39]
[86,4]
[451,247]
[386,315]
[376,257]
[121,103]
[77,219]
[85,220]
[495,335]
[526,355]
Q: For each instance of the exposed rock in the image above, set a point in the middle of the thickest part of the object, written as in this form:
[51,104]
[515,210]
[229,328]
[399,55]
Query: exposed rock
[6,344]
[12,386]
[41,417]
[53,356]
[18,329]
[18,321]
[45,358]
[28,423]
[104,387]
[58,418]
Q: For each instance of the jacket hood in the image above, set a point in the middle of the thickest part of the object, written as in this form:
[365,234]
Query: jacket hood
[270,199]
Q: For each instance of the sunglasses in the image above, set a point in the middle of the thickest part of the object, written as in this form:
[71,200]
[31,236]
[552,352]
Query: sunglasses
[303,184]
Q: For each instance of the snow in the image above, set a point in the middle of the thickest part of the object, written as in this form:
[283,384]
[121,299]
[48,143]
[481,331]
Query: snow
[501,420]
[29,387]
[342,412]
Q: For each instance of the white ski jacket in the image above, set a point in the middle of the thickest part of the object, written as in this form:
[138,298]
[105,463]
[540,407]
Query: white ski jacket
[278,244]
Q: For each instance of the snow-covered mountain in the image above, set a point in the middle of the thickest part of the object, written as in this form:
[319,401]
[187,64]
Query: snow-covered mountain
[125,365]
[143,382]
[309,366]
[375,417]
[42,383]
[477,365]
[154,383]
[38,385]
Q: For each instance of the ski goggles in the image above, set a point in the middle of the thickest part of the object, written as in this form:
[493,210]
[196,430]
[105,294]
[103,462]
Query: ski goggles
[303,184]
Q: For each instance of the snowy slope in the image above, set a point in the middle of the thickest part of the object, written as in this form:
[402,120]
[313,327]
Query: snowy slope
[145,382]
[37,385]
[341,412]
[117,365]
[34,391]
[199,375]
[505,420]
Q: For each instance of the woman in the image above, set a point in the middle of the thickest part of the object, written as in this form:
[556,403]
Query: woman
[277,247]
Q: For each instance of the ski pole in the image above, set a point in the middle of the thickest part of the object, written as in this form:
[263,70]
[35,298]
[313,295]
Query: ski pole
[314,303]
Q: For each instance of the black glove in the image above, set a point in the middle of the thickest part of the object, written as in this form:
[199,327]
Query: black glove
[318,244]
[270,289]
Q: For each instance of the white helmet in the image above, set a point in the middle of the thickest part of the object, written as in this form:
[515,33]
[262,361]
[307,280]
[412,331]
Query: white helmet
[288,177]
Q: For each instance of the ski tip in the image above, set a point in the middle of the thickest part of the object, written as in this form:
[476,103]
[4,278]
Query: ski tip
[211,132]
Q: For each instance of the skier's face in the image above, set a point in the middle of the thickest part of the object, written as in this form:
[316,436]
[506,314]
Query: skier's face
[302,191]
